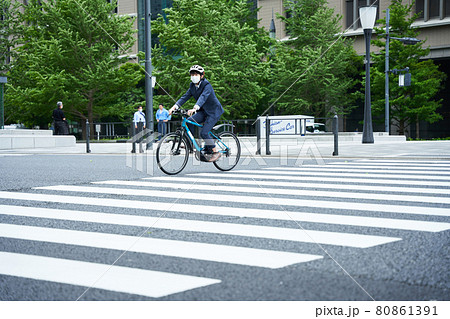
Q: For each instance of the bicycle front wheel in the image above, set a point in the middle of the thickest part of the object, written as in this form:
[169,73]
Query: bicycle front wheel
[172,153]
[230,148]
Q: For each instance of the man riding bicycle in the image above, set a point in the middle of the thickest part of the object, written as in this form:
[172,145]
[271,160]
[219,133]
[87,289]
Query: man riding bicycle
[207,109]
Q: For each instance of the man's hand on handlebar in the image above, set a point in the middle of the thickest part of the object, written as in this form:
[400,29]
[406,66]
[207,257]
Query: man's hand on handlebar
[173,108]
[176,108]
[194,110]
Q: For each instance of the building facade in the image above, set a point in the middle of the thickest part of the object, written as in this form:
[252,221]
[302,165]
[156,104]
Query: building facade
[434,21]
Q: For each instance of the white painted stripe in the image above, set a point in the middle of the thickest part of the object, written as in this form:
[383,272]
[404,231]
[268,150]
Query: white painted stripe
[319,179]
[388,223]
[369,176]
[148,283]
[360,166]
[408,162]
[278,191]
[278,233]
[393,165]
[327,168]
[267,200]
[174,248]
[307,185]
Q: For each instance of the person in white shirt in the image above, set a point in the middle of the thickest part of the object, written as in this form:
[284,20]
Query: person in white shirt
[139,125]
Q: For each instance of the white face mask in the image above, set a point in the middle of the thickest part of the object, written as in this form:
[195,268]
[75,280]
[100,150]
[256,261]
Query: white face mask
[195,79]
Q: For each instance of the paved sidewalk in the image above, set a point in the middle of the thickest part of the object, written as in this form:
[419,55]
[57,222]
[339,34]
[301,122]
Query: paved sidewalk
[309,149]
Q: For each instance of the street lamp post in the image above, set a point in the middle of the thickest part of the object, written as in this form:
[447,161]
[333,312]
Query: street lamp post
[386,79]
[3,80]
[407,41]
[148,72]
[367,16]
[272,34]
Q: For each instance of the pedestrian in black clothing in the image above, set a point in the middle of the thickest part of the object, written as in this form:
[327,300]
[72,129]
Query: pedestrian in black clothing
[60,123]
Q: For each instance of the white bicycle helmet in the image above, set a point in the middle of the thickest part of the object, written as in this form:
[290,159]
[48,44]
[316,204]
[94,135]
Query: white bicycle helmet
[197,68]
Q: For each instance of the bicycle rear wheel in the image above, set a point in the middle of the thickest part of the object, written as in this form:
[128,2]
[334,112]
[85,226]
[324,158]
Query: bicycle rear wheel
[172,153]
[230,148]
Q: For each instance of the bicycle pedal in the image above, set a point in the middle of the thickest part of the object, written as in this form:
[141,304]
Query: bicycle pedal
[204,157]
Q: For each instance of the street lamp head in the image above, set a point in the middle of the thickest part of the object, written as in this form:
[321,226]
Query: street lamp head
[410,41]
[272,30]
[368,16]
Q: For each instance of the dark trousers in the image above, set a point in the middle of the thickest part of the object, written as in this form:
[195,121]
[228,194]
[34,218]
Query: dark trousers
[61,128]
[140,127]
[208,123]
[162,128]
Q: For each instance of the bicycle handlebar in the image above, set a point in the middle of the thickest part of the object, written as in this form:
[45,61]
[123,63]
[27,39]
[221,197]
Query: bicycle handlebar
[181,111]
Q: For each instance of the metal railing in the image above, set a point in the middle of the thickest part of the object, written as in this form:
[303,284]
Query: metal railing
[244,127]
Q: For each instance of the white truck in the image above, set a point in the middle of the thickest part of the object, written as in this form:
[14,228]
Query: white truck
[315,128]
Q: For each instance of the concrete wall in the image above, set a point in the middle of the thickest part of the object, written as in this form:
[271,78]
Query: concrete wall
[28,139]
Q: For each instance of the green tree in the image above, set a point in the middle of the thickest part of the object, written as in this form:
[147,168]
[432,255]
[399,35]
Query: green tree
[70,50]
[121,104]
[313,69]
[223,37]
[9,31]
[408,104]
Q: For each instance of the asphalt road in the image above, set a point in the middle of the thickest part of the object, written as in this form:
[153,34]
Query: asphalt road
[413,268]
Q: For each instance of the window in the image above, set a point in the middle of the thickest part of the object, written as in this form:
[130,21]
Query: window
[420,8]
[434,8]
[117,5]
[288,14]
[429,9]
[157,7]
[349,12]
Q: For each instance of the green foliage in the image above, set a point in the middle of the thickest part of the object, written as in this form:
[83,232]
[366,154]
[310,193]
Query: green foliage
[9,31]
[313,70]
[70,51]
[123,103]
[223,37]
[408,104]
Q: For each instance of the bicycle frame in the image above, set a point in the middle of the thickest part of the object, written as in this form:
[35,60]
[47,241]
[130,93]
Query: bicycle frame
[189,134]
[176,144]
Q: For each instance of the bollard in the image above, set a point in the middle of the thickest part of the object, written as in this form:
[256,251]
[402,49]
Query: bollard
[88,133]
[336,134]
[303,127]
[148,138]
[267,135]
[258,136]
[133,138]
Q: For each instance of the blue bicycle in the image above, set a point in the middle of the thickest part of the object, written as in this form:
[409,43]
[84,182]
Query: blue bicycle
[173,150]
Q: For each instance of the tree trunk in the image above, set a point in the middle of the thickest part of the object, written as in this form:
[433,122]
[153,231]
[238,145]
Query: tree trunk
[401,127]
[417,127]
[90,113]
[83,128]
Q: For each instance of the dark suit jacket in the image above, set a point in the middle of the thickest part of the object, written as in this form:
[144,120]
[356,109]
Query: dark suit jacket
[205,97]
[58,114]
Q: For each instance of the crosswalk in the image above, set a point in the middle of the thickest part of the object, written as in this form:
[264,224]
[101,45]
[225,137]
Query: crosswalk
[267,204]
